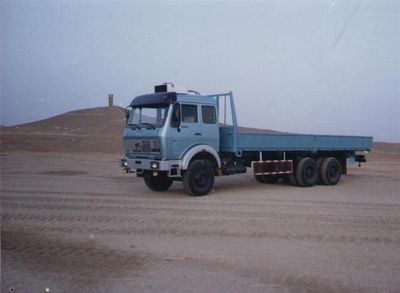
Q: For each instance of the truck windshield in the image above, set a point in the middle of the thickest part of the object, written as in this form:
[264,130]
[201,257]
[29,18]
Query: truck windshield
[148,116]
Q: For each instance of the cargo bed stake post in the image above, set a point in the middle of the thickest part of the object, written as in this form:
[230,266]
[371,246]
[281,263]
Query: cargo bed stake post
[225,110]
[261,158]
[235,126]
[284,156]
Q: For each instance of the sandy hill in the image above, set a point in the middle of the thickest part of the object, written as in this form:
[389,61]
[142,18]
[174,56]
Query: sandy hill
[99,130]
[87,130]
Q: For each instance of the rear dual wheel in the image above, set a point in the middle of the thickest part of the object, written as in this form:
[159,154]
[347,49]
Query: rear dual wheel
[307,172]
[330,171]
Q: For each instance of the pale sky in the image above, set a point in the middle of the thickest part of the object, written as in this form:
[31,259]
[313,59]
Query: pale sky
[324,67]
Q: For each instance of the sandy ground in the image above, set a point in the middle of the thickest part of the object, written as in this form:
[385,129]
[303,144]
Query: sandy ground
[76,223]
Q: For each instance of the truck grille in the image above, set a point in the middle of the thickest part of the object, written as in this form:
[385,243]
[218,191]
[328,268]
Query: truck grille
[134,145]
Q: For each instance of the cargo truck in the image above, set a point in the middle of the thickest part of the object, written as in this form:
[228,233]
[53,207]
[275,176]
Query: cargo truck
[178,135]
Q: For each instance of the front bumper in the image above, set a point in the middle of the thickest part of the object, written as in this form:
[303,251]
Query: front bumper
[173,167]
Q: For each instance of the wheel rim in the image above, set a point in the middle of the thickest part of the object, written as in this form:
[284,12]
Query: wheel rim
[333,172]
[200,180]
[309,173]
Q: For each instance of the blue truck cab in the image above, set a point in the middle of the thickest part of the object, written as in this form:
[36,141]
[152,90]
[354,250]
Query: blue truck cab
[177,135]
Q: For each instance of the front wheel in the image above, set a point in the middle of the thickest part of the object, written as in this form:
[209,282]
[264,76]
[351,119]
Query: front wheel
[161,182]
[198,179]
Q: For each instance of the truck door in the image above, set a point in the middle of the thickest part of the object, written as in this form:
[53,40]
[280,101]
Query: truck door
[188,133]
[209,126]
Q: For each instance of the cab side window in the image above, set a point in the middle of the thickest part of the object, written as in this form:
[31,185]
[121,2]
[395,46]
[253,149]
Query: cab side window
[208,115]
[189,114]
[176,115]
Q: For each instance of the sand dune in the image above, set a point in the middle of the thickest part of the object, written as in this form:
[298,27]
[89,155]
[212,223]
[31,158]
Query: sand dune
[81,131]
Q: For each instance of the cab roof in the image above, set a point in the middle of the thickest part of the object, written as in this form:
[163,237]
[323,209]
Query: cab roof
[166,98]
[156,99]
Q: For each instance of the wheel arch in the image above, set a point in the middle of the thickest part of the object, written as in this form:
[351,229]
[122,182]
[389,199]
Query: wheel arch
[202,152]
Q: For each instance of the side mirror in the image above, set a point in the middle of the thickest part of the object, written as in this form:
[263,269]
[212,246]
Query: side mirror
[176,116]
[127,114]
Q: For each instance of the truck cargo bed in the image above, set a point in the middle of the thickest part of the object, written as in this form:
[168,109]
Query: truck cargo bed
[231,140]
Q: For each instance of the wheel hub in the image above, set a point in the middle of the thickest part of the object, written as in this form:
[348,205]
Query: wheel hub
[200,179]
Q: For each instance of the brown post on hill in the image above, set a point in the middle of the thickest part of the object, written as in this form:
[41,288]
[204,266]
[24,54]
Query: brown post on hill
[110,100]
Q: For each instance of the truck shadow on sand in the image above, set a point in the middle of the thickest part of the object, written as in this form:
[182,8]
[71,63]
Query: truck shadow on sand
[32,262]
[64,173]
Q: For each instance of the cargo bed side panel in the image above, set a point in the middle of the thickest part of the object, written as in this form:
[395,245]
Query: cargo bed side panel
[292,142]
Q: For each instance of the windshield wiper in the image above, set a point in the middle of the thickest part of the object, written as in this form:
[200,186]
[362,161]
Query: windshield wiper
[134,125]
[148,124]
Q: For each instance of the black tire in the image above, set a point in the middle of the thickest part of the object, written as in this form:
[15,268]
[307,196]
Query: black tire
[330,171]
[307,172]
[267,179]
[198,179]
[157,183]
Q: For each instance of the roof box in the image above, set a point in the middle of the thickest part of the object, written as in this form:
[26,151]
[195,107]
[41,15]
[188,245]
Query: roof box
[169,87]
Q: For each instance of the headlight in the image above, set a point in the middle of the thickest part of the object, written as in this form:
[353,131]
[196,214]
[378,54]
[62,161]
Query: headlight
[154,165]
